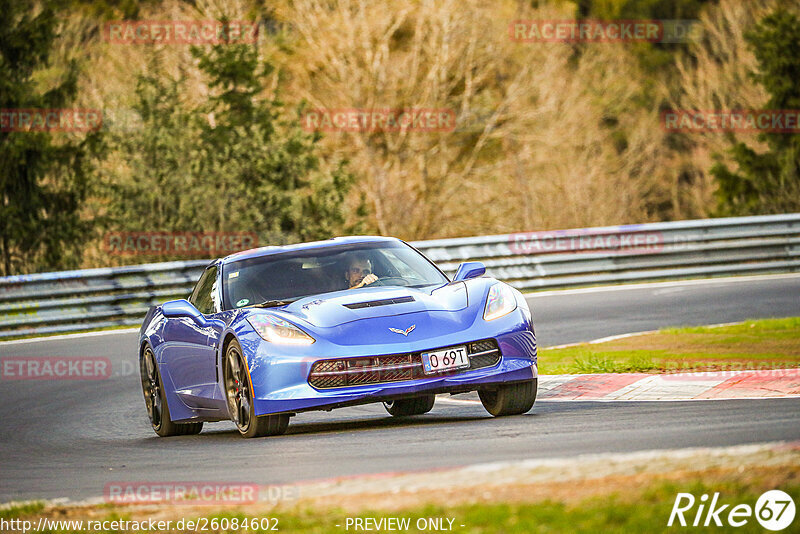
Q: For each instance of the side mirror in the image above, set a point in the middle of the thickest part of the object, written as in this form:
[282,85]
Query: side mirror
[469,269]
[183,308]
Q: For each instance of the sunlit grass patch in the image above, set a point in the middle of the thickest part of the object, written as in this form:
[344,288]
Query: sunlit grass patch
[13,510]
[756,344]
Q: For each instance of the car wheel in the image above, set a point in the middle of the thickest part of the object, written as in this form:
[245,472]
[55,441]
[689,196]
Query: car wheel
[155,400]
[415,406]
[239,392]
[509,399]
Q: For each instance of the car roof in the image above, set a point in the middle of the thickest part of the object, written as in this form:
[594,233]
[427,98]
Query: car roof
[274,249]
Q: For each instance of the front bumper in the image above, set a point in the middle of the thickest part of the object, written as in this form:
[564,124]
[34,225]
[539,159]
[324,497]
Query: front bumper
[281,382]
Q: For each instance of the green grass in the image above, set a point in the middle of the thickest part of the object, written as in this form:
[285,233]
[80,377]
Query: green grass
[645,510]
[787,326]
[610,363]
[755,344]
[21,509]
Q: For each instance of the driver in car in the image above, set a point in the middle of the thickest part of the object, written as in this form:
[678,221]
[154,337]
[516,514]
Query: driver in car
[359,273]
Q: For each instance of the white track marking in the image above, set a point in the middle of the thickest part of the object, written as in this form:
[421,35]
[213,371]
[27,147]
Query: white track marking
[654,285]
[70,336]
[601,339]
[449,400]
[634,334]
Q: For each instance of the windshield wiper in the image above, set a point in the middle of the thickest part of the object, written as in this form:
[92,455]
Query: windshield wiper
[273,303]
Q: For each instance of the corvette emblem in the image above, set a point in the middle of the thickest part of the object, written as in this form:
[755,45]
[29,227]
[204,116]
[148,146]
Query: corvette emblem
[404,332]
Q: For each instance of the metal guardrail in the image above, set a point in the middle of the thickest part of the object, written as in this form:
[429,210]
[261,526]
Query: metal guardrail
[96,298]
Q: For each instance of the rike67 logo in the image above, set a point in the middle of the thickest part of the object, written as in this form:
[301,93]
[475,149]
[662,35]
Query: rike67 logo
[774,510]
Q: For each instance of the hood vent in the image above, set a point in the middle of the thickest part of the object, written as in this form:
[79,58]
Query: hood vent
[375,303]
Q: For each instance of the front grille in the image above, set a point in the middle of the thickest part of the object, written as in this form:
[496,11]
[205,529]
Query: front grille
[393,367]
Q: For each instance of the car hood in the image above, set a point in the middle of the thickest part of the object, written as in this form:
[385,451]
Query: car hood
[334,309]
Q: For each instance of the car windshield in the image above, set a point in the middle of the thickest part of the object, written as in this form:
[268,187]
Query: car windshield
[276,279]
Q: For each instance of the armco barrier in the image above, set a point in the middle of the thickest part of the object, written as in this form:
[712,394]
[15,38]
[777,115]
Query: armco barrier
[95,298]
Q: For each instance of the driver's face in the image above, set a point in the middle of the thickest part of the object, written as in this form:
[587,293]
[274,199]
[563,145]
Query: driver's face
[357,271]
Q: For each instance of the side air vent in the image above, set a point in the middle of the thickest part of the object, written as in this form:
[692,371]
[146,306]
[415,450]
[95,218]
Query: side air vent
[382,302]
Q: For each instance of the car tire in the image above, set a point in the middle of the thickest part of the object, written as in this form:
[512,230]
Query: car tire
[414,406]
[155,400]
[509,399]
[271,425]
[239,394]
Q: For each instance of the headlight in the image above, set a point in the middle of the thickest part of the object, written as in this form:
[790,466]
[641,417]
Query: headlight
[500,302]
[276,330]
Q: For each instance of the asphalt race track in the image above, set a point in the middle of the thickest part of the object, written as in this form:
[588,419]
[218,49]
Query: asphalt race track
[70,438]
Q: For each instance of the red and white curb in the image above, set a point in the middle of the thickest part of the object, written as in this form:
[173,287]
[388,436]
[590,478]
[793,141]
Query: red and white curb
[681,386]
[756,384]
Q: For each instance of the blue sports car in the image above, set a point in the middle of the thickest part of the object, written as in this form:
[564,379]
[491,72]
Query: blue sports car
[274,331]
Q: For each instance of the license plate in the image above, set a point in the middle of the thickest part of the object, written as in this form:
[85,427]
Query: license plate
[445,359]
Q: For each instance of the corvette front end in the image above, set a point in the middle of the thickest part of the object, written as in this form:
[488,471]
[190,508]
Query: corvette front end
[271,332]
[328,374]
